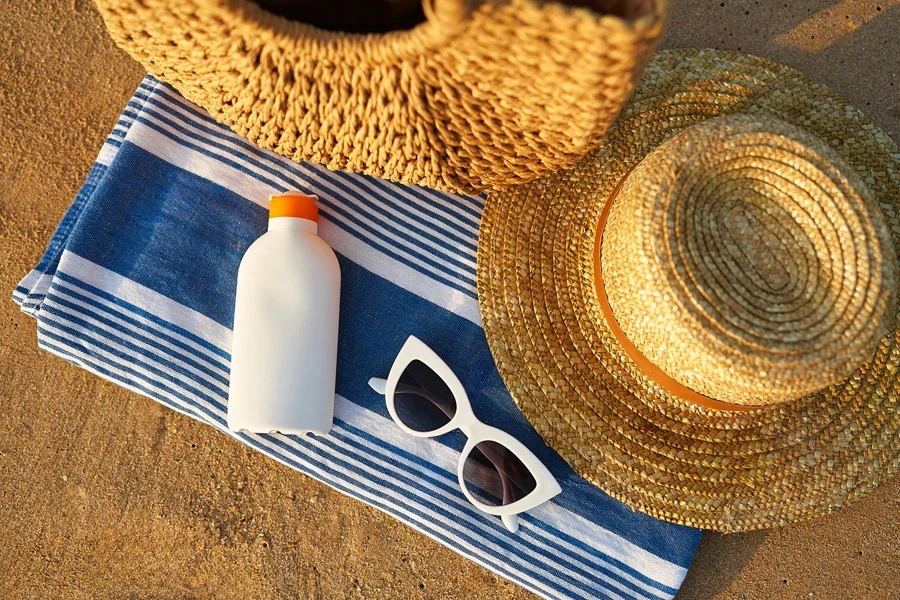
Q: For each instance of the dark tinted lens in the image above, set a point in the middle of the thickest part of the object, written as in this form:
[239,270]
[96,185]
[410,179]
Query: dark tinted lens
[496,476]
[422,400]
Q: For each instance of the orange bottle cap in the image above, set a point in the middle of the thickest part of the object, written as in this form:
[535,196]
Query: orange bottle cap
[294,204]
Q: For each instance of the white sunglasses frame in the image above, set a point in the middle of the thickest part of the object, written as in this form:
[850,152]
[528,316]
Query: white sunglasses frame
[475,430]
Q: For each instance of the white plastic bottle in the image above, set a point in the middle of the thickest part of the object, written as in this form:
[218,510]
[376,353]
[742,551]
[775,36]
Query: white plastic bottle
[284,350]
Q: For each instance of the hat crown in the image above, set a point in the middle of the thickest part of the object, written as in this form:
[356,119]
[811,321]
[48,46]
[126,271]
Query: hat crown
[745,259]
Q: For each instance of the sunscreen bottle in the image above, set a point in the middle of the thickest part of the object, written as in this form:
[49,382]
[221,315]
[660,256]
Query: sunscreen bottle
[284,347]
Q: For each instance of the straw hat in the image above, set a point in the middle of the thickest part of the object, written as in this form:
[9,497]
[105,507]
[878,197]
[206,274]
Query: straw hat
[701,315]
[479,96]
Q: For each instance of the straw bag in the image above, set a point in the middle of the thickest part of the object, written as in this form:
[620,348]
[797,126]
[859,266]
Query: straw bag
[477,96]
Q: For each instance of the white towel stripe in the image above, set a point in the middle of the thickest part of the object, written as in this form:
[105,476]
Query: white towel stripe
[143,355]
[256,191]
[147,299]
[344,242]
[150,328]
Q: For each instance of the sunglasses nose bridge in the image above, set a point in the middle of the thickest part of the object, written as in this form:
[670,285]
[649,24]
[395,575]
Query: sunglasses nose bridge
[466,421]
[467,429]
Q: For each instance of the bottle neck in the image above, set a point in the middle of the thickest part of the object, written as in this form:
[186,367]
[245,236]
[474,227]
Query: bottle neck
[293,223]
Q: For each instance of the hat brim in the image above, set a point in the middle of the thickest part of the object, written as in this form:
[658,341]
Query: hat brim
[723,470]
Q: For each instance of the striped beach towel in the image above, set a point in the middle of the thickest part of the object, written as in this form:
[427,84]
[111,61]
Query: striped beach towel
[138,282]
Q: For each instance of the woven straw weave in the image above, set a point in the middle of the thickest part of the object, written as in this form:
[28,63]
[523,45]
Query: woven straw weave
[715,469]
[480,96]
[748,260]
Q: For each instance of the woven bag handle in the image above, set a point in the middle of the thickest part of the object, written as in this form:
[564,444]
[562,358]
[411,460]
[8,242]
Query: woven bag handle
[447,13]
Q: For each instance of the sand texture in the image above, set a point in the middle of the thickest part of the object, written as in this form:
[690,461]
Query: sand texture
[106,494]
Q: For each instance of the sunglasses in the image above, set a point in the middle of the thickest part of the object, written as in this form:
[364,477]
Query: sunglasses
[497,473]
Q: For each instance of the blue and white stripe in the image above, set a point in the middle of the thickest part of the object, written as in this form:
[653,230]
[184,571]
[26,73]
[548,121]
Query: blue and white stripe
[109,296]
[431,233]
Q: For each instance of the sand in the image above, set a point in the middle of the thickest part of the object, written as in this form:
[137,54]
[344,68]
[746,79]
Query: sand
[105,494]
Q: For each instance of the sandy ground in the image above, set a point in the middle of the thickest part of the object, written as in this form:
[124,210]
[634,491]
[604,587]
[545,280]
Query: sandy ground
[105,494]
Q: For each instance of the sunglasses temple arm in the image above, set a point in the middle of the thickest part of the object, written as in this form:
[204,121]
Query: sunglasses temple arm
[378,384]
[500,467]
[511,522]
